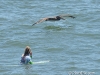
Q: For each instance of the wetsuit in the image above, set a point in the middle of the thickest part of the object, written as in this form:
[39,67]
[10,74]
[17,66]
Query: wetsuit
[26,59]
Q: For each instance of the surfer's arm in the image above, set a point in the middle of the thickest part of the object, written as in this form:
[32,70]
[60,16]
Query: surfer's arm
[31,54]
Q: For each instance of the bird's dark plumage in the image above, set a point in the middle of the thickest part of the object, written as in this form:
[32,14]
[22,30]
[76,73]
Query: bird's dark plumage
[55,18]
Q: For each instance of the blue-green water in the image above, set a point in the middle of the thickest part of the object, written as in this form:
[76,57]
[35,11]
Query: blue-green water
[71,45]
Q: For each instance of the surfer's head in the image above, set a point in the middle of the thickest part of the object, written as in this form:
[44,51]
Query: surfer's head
[27,51]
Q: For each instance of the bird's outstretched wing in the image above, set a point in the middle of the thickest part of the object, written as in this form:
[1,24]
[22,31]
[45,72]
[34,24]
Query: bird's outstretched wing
[66,15]
[44,19]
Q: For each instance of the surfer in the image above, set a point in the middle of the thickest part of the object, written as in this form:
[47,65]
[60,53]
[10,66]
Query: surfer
[55,18]
[26,57]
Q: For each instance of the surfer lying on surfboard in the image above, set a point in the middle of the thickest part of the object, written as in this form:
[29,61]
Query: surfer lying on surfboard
[26,57]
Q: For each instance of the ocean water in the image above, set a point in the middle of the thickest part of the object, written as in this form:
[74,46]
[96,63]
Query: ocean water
[71,46]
